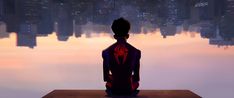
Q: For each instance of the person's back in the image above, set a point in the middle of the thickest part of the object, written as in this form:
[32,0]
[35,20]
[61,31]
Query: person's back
[121,62]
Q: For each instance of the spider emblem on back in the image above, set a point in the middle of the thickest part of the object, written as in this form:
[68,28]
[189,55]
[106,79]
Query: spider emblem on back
[120,51]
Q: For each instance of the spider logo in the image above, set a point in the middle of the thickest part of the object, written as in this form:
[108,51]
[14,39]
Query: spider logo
[120,51]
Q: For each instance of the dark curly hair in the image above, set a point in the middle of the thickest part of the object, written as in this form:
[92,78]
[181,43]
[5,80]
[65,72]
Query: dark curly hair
[120,27]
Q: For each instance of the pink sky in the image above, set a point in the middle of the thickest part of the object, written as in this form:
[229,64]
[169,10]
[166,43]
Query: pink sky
[178,62]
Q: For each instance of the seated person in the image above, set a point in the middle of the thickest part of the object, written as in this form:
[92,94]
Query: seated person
[121,62]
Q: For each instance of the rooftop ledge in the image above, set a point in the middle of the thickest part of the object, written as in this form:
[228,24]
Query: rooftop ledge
[102,94]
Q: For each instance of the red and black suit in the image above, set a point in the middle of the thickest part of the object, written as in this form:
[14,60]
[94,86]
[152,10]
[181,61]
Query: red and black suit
[121,64]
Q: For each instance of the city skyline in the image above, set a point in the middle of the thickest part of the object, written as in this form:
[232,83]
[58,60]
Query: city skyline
[57,44]
[32,18]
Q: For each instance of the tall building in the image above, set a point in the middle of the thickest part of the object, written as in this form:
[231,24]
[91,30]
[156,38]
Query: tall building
[172,12]
[29,10]
[147,10]
[1,10]
[184,8]
[11,15]
[82,11]
[3,33]
[103,12]
[78,31]
[206,9]
[219,40]
[220,7]
[208,30]
[227,21]
[226,26]
[65,21]
[230,7]
[169,30]
[27,35]
[46,21]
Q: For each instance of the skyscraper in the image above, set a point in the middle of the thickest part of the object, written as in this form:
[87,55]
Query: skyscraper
[27,35]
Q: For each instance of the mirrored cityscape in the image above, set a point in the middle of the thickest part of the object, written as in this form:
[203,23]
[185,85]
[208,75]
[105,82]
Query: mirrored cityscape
[29,19]
[57,44]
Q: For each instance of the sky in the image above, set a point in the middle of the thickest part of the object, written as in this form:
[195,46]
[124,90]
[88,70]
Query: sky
[183,61]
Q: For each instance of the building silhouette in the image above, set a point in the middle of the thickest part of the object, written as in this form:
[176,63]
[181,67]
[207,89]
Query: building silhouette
[220,40]
[64,21]
[11,17]
[27,35]
[3,33]
[46,21]
[32,18]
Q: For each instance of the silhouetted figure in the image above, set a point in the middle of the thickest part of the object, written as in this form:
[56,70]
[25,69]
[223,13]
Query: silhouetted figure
[121,62]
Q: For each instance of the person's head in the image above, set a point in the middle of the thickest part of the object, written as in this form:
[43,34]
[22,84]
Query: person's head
[120,27]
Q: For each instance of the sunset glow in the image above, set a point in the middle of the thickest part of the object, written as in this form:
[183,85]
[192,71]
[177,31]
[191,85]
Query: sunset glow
[66,63]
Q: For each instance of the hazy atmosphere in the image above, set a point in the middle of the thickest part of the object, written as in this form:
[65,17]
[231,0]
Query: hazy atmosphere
[57,44]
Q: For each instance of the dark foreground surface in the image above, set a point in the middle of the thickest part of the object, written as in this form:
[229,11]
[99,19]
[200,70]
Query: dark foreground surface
[101,94]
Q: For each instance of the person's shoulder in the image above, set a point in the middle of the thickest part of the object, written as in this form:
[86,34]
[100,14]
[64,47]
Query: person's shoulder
[106,52]
[108,48]
[136,51]
[133,48]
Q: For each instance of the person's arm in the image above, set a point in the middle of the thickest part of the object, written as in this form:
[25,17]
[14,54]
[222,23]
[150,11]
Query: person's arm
[105,66]
[136,76]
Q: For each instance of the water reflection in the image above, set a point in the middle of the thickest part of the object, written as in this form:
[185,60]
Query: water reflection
[213,19]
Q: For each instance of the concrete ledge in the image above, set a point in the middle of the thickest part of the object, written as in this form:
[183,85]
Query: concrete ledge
[101,94]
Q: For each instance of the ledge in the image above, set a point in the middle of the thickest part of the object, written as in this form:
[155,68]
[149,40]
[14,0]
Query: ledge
[101,94]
